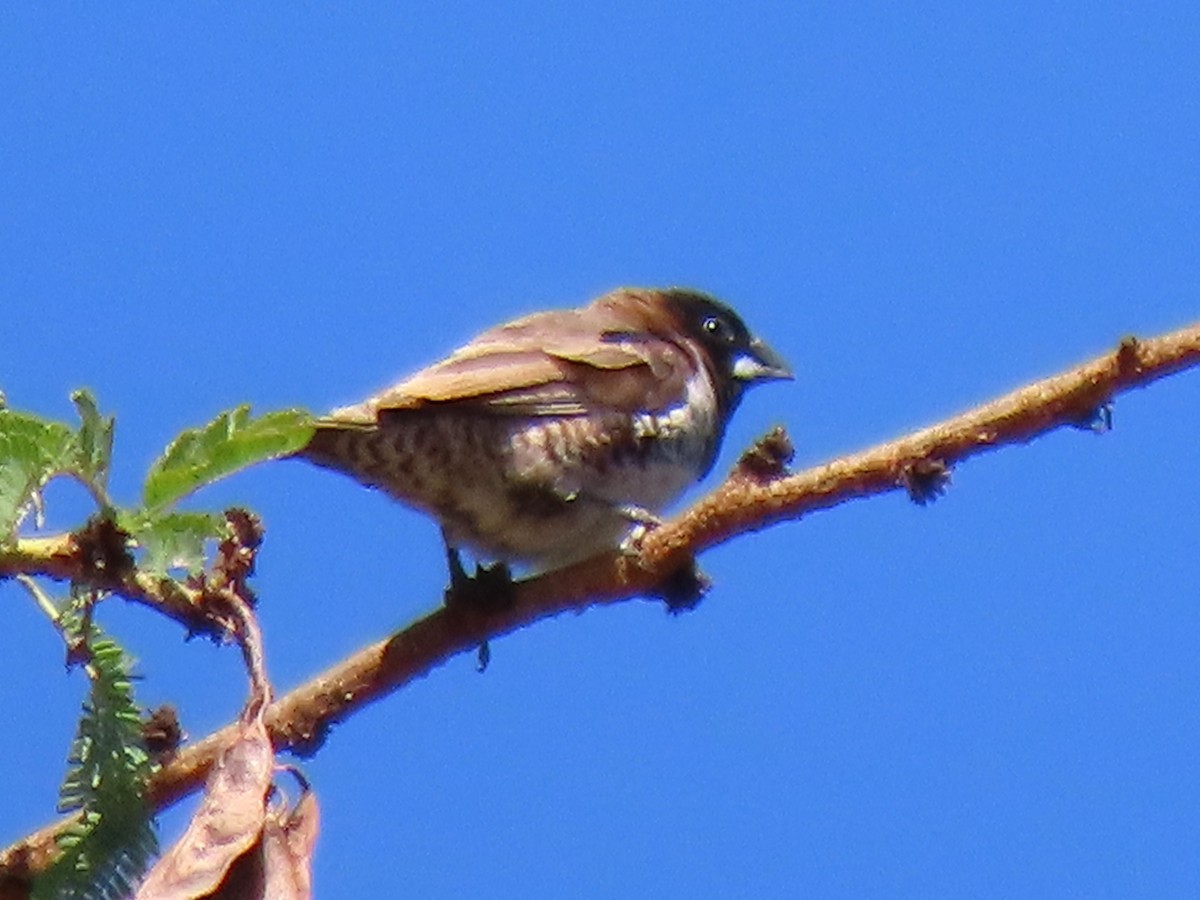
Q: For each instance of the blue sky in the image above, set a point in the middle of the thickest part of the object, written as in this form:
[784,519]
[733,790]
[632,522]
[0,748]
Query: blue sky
[920,205]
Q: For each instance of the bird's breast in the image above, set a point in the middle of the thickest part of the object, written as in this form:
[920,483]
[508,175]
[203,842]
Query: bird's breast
[645,458]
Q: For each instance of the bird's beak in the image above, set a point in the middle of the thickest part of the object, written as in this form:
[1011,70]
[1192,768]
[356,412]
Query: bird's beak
[761,363]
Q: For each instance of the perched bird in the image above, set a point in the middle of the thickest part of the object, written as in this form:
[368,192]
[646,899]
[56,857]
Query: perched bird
[544,440]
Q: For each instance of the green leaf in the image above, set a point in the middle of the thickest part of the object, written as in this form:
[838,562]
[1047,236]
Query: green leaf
[105,852]
[173,540]
[228,444]
[93,441]
[32,451]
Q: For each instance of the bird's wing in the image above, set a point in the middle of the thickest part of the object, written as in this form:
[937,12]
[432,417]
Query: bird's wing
[565,362]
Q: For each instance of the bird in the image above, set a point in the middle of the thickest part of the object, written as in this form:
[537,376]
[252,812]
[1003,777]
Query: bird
[555,437]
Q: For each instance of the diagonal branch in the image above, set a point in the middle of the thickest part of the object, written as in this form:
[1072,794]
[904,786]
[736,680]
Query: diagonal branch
[754,496]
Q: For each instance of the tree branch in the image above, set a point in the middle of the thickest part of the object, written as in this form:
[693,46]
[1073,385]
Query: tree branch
[754,496]
[73,557]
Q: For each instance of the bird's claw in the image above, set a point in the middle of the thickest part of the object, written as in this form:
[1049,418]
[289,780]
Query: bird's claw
[490,589]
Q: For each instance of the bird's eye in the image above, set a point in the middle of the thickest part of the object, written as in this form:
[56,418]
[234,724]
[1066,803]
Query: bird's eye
[715,327]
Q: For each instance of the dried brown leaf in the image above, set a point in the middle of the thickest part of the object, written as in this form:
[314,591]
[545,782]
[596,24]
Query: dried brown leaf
[289,836]
[227,824]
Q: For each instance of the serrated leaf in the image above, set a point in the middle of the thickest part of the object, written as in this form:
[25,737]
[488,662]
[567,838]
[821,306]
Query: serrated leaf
[32,451]
[173,540]
[106,850]
[93,441]
[228,444]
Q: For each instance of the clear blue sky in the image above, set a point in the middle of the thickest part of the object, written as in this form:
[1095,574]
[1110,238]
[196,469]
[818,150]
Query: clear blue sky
[920,205]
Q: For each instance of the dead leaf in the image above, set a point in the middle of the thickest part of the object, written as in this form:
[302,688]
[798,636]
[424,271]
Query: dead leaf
[227,824]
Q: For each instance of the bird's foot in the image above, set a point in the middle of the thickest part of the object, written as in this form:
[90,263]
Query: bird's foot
[682,589]
[643,521]
[489,590]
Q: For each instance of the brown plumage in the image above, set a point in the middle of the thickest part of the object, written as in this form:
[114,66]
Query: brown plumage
[542,440]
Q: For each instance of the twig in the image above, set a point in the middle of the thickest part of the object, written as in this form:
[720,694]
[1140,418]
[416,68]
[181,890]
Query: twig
[747,501]
[64,557]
